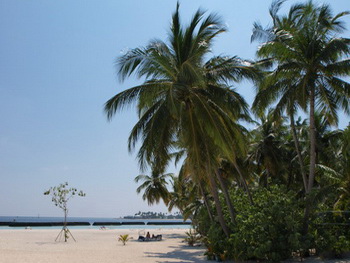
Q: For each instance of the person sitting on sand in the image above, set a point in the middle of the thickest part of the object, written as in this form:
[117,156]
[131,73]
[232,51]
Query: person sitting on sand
[148,237]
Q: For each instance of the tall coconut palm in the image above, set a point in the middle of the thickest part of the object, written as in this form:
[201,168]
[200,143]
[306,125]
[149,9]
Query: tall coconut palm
[310,61]
[184,98]
[154,187]
[291,99]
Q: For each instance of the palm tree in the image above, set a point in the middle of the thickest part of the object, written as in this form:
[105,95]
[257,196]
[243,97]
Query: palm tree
[309,60]
[224,188]
[328,141]
[266,147]
[154,187]
[191,190]
[295,142]
[184,98]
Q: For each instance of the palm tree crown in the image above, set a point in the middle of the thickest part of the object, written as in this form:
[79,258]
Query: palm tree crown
[184,97]
[154,187]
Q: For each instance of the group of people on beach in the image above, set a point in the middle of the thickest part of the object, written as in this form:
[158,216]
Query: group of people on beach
[149,238]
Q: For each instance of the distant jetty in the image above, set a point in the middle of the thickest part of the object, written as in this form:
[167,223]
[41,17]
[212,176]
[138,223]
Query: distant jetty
[54,222]
[39,224]
[107,223]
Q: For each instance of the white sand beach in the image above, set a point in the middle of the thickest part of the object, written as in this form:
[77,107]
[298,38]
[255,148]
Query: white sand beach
[101,246]
[95,246]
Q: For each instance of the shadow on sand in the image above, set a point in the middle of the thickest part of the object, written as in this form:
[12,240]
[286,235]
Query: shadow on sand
[183,254]
[175,236]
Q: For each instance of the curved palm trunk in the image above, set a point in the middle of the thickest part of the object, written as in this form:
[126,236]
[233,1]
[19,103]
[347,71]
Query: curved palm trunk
[230,206]
[244,183]
[206,203]
[214,192]
[297,148]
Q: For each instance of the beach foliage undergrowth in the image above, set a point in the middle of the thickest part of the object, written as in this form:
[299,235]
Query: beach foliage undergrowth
[270,229]
[331,233]
[124,239]
[192,237]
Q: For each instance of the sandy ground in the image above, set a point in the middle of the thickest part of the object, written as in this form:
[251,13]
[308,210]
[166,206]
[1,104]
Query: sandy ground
[101,246]
[35,246]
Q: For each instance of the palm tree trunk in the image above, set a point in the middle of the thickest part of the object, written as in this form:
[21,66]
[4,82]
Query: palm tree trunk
[297,148]
[308,205]
[290,177]
[307,212]
[206,203]
[267,177]
[214,192]
[244,183]
[230,206]
[312,140]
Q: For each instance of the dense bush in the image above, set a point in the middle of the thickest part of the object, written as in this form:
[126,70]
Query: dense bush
[269,230]
[331,232]
[217,242]
[202,221]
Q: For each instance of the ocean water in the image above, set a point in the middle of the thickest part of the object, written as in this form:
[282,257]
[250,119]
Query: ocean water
[91,220]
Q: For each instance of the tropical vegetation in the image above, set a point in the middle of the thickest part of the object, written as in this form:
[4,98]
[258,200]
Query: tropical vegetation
[155,215]
[192,237]
[279,189]
[124,239]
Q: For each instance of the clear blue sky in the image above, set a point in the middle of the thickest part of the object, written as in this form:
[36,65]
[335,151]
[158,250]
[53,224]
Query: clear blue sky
[56,72]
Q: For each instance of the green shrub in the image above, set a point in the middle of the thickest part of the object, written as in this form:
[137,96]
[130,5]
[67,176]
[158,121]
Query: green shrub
[269,230]
[124,238]
[331,234]
[342,245]
[217,241]
[202,222]
[192,237]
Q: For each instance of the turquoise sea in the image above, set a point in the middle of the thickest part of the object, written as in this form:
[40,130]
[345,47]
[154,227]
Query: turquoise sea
[128,223]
